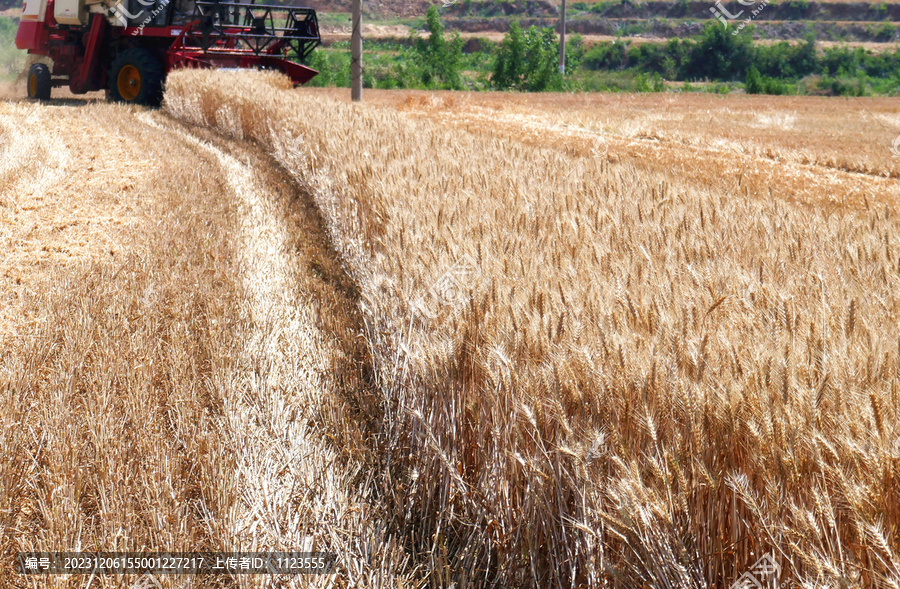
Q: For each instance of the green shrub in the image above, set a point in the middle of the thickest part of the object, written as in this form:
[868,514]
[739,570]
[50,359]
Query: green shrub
[333,66]
[796,9]
[604,6]
[681,7]
[719,55]
[529,61]
[753,83]
[883,33]
[842,86]
[606,56]
[880,11]
[12,61]
[440,58]
[649,83]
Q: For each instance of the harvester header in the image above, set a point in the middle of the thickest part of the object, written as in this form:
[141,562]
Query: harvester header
[129,46]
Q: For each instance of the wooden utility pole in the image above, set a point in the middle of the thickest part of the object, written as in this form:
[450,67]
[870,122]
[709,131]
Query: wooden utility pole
[562,39]
[356,82]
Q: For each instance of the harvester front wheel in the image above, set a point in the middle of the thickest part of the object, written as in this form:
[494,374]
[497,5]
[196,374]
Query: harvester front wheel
[136,77]
[39,82]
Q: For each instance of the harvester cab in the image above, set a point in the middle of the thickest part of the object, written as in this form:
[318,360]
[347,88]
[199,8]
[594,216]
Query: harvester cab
[129,46]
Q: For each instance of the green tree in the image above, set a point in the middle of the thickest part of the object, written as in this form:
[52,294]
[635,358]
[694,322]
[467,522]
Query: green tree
[807,56]
[649,83]
[440,58]
[721,55]
[542,60]
[574,53]
[529,61]
[753,84]
[509,67]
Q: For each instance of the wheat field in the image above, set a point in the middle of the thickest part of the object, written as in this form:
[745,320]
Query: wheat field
[594,371]
[808,149]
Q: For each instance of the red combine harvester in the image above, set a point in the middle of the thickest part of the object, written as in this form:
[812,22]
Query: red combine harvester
[128,46]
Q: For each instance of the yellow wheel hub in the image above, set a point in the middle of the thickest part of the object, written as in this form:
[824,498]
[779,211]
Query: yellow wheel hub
[32,85]
[129,83]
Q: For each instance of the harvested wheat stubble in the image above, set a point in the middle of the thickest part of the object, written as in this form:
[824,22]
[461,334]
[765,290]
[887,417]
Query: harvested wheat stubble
[176,390]
[651,385]
[110,440]
[40,228]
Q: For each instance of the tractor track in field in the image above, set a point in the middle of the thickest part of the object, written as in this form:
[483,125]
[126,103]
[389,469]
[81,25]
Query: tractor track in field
[292,351]
[278,469]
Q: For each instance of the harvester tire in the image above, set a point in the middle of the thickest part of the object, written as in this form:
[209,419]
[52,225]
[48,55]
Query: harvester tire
[39,82]
[136,77]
